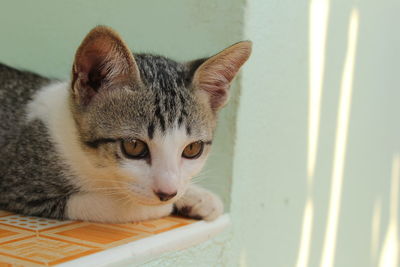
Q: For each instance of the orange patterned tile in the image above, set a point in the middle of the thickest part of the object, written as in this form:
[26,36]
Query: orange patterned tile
[12,262]
[5,264]
[42,250]
[15,263]
[181,219]
[6,233]
[32,241]
[31,223]
[97,234]
[4,213]
[155,226]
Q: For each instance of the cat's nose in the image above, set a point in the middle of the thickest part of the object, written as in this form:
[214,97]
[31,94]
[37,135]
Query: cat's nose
[165,196]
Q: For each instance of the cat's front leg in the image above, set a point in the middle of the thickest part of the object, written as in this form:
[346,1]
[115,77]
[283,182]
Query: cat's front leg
[101,208]
[199,203]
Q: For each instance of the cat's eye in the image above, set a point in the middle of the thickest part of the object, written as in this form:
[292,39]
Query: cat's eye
[135,149]
[193,150]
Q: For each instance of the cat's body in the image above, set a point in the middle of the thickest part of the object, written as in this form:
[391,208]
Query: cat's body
[32,177]
[107,146]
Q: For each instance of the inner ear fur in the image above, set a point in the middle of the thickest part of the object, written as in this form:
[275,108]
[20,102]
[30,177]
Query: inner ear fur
[215,74]
[101,61]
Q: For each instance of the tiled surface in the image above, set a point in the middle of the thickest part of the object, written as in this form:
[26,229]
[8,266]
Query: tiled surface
[32,241]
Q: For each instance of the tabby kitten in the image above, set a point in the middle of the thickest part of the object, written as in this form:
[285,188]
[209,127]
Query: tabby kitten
[118,143]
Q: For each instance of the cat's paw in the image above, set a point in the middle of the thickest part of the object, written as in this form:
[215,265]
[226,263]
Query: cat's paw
[199,203]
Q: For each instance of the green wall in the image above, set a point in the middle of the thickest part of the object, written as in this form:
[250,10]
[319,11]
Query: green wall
[285,210]
[271,185]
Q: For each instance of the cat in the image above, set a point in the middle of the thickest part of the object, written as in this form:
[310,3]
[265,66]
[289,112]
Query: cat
[117,143]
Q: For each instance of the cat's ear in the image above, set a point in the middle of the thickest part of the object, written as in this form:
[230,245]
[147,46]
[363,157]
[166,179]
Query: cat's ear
[102,62]
[216,73]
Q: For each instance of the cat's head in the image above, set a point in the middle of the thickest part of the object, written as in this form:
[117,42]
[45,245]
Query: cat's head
[146,121]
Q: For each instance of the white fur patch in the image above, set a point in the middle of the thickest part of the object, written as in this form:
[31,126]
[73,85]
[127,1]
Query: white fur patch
[100,208]
[51,106]
[200,203]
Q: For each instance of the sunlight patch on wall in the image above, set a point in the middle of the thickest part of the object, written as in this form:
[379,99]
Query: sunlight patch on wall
[306,231]
[318,24]
[375,229]
[340,143]
[389,256]
[243,259]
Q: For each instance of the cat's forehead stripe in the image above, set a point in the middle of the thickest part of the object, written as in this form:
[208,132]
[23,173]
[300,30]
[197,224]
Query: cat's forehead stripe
[150,130]
[166,80]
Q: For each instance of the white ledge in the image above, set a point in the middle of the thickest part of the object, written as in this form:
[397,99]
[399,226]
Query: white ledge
[148,248]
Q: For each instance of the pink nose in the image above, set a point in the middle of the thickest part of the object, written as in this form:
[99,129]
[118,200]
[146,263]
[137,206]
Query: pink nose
[165,196]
